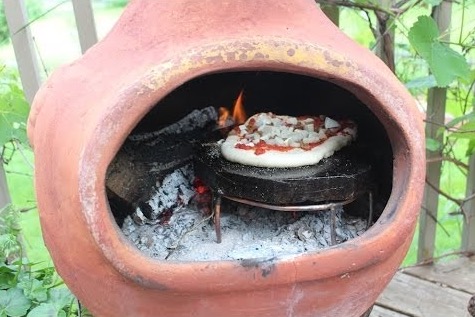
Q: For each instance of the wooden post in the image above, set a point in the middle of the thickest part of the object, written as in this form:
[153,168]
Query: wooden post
[23,46]
[27,66]
[435,119]
[86,26]
[385,42]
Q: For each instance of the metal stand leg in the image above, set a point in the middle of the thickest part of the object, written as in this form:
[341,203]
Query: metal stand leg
[333,225]
[317,207]
[370,215]
[217,217]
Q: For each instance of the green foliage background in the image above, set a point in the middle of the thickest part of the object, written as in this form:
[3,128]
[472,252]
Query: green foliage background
[4,33]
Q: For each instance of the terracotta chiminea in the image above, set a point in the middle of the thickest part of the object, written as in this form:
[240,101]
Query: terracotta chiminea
[85,111]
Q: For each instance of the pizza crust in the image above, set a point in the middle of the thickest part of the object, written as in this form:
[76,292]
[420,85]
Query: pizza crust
[290,136]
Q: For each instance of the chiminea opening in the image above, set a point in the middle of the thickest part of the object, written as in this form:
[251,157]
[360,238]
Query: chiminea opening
[161,172]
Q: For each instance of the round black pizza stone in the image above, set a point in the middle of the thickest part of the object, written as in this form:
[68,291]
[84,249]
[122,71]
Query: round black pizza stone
[343,176]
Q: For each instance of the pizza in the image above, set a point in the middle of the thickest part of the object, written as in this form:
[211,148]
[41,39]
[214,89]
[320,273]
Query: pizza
[270,140]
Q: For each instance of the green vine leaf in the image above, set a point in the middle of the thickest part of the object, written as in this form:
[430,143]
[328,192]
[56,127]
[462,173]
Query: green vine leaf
[60,297]
[46,310]
[466,131]
[444,63]
[433,145]
[470,79]
[13,111]
[13,303]
[47,275]
[470,148]
[8,245]
[466,117]
[7,275]
[422,83]
[34,289]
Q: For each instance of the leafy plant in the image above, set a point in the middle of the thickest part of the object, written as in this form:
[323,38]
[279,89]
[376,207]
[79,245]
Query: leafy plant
[455,140]
[445,63]
[24,290]
[14,111]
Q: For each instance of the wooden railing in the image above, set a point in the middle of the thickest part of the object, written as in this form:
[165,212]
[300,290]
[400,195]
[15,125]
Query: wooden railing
[28,68]
[435,114]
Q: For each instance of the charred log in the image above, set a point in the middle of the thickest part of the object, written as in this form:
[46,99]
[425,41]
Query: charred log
[144,161]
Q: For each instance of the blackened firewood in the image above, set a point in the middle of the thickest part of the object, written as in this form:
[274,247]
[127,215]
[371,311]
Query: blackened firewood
[174,191]
[144,160]
[195,121]
[120,207]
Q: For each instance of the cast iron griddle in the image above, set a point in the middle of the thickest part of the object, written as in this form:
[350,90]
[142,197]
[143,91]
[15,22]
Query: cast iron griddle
[343,176]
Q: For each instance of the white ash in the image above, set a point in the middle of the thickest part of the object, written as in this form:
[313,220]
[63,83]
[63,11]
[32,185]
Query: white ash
[173,192]
[247,233]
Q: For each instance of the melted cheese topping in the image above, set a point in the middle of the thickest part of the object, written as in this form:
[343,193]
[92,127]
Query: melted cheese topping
[269,140]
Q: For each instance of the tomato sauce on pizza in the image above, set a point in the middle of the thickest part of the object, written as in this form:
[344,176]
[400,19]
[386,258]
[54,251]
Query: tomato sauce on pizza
[270,140]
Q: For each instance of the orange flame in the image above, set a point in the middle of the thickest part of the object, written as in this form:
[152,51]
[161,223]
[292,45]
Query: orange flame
[223,116]
[239,114]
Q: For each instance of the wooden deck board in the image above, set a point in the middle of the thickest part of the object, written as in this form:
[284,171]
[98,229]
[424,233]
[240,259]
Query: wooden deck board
[379,311]
[441,290]
[417,297]
[459,274]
